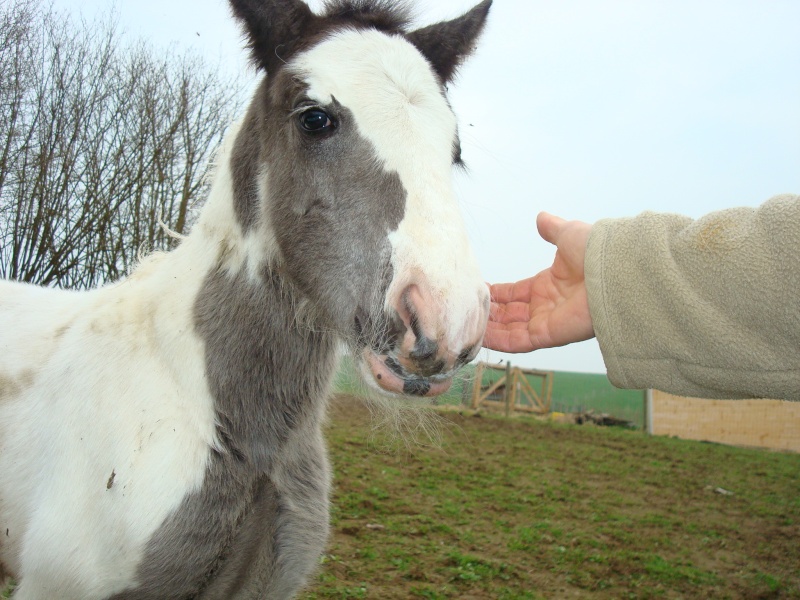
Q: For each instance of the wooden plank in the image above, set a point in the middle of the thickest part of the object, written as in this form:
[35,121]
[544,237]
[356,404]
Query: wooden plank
[532,395]
[489,391]
[477,384]
[549,397]
[529,409]
[510,395]
[534,372]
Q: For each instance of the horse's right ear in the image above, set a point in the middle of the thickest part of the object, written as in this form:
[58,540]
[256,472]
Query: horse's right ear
[447,44]
[275,28]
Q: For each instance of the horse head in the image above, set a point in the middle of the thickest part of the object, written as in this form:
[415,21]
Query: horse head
[356,143]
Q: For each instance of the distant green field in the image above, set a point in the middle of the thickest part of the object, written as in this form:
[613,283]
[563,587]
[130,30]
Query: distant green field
[578,392]
[572,392]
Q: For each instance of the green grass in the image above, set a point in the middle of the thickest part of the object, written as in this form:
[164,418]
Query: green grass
[525,509]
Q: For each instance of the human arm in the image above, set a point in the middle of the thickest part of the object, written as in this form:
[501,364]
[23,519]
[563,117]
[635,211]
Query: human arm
[705,308]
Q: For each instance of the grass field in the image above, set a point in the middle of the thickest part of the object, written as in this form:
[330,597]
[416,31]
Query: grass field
[522,509]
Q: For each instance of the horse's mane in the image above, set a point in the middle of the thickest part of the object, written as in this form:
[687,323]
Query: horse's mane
[384,15]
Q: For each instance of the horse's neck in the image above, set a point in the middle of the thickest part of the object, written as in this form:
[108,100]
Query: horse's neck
[236,245]
[267,364]
[269,371]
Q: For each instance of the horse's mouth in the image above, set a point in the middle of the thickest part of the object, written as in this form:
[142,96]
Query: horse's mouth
[390,376]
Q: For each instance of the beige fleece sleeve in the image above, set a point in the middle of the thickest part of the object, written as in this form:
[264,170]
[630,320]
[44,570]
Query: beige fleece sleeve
[707,308]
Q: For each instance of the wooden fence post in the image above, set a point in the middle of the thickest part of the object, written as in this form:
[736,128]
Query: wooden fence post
[476,385]
[509,389]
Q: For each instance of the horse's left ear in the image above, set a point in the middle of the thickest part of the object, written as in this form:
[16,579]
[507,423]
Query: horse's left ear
[275,28]
[447,44]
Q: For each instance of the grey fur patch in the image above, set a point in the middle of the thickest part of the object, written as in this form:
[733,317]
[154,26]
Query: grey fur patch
[266,493]
[244,163]
[332,205]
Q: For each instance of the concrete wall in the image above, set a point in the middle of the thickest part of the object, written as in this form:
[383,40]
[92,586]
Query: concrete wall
[773,424]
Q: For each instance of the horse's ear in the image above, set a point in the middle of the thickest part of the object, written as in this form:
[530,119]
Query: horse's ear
[275,28]
[447,44]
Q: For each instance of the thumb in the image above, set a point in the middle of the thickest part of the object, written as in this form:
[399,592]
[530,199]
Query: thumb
[549,226]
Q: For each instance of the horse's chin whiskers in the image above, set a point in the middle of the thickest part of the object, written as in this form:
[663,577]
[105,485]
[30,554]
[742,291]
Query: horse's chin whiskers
[404,421]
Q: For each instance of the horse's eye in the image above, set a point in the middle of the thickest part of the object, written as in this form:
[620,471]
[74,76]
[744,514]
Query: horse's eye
[316,120]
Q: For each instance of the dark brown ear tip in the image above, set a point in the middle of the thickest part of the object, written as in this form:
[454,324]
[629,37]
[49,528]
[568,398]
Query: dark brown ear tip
[482,9]
[447,44]
[274,29]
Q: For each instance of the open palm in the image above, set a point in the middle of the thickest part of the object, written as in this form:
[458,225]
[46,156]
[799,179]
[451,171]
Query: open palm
[551,308]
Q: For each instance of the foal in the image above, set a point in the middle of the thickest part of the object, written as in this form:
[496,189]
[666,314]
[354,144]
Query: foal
[160,438]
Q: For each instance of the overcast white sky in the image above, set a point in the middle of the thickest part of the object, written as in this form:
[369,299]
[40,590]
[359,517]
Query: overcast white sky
[585,108]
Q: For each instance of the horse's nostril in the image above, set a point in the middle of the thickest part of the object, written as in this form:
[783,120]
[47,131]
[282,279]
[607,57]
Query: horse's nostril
[425,349]
[463,358]
[467,354]
[424,355]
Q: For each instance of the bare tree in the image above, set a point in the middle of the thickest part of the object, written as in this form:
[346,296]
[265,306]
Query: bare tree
[99,141]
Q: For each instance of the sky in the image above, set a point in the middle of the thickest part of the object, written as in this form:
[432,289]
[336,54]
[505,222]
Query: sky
[584,108]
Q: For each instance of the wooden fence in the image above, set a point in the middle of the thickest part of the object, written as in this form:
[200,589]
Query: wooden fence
[512,390]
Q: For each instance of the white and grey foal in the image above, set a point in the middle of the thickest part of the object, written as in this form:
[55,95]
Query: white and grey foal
[160,437]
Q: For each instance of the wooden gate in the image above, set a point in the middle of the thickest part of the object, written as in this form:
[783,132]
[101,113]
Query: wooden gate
[513,391]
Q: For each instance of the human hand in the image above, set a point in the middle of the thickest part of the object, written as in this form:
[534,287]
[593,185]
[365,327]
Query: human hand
[549,309]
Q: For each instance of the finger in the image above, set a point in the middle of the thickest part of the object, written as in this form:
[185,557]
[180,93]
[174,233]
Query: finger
[501,292]
[511,312]
[519,291]
[504,339]
[549,226]
[495,339]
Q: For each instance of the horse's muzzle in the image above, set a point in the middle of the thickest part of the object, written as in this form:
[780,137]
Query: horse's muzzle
[390,376]
[428,348]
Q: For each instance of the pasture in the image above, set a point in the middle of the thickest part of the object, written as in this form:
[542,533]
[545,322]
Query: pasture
[523,509]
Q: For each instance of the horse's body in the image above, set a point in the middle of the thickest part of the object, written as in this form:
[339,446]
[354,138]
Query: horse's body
[161,437]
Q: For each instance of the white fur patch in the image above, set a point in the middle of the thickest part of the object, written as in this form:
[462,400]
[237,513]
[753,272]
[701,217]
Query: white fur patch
[237,250]
[94,456]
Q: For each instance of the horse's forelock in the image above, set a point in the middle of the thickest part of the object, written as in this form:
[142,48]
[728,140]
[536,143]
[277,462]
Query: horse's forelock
[384,15]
